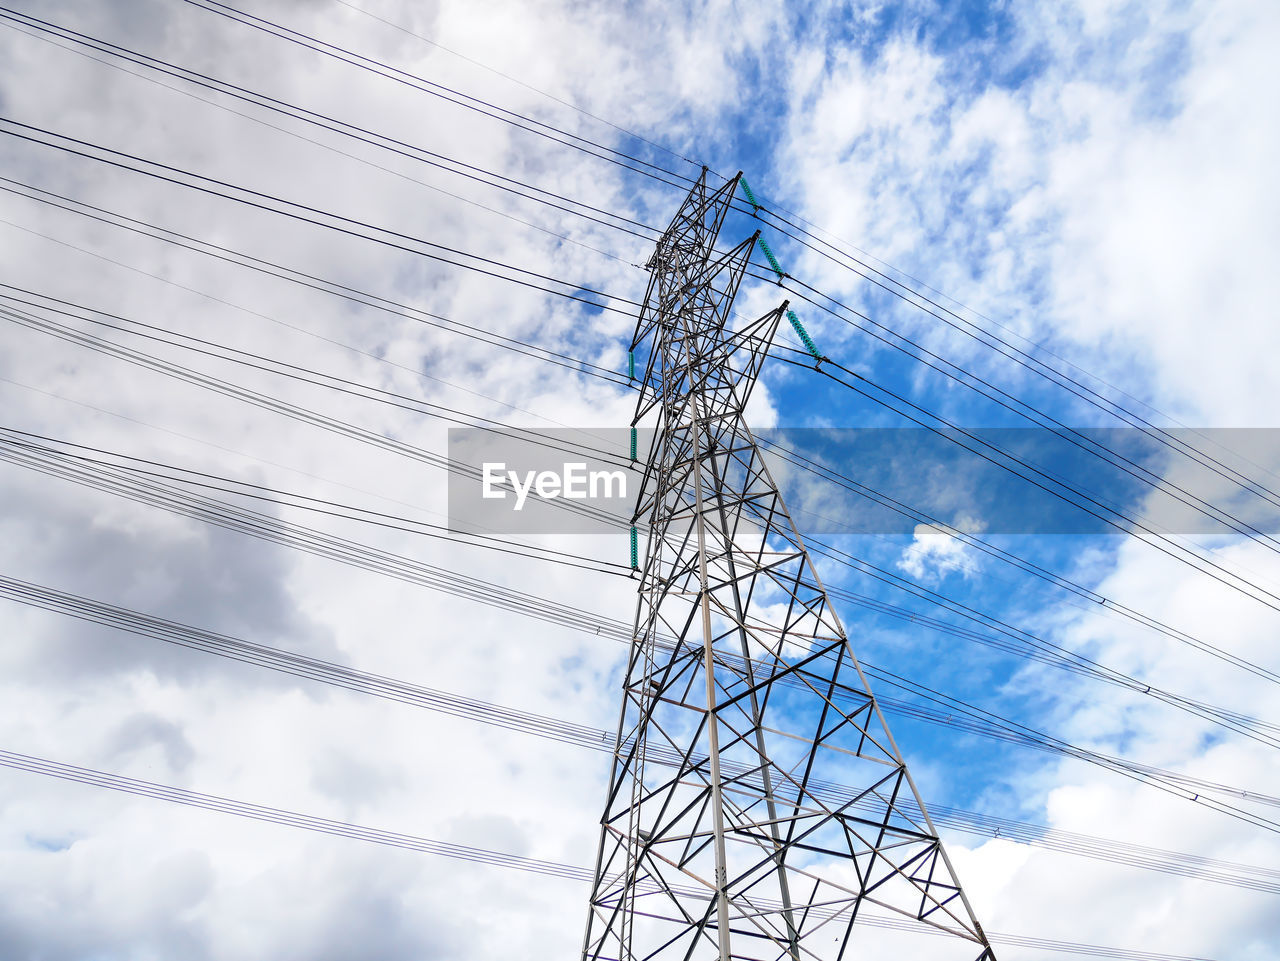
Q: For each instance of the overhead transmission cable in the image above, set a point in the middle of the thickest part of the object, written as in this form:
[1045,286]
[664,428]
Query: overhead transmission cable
[294,819]
[385,70]
[367,299]
[1069,434]
[443,92]
[882,498]
[295,412]
[805,463]
[1057,655]
[1098,509]
[369,63]
[222,514]
[219,513]
[166,496]
[51,33]
[1028,360]
[297,372]
[410,403]
[1091,505]
[780,450]
[1178,550]
[1047,481]
[310,281]
[1007,401]
[303,213]
[1021,643]
[30,443]
[122,619]
[417,372]
[411,508]
[506,76]
[1026,646]
[403,310]
[1041,479]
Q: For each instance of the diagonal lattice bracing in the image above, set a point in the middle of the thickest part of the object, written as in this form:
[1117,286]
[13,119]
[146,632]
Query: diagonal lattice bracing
[724,833]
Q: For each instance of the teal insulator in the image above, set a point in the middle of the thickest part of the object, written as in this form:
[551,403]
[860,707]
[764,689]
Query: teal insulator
[803,335]
[751,198]
[773,261]
[633,443]
[635,550]
[631,364]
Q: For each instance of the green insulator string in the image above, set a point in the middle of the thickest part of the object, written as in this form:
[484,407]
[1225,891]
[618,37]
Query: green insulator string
[773,261]
[777,269]
[751,198]
[633,443]
[631,364]
[803,335]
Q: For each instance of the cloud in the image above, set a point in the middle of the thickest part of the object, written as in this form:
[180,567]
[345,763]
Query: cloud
[1096,179]
[934,552]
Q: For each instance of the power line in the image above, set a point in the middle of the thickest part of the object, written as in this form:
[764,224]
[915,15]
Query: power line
[1022,644]
[1007,401]
[314,418]
[1235,721]
[156,493]
[475,104]
[360,60]
[1039,478]
[309,281]
[312,215]
[297,372]
[1184,555]
[273,104]
[50,32]
[565,103]
[368,355]
[954,713]
[1249,727]
[286,33]
[284,408]
[294,819]
[1024,358]
[1061,657]
[367,299]
[1181,553]
[1110,605]
[365,62]
[583,736]
[1166,550]
[28,442]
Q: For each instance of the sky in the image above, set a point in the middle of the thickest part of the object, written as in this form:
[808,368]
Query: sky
[1091,183]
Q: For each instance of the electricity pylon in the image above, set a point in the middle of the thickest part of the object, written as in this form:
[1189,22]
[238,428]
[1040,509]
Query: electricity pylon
[758,807]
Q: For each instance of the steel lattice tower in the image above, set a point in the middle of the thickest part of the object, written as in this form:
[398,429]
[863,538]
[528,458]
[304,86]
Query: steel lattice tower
[758,806]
